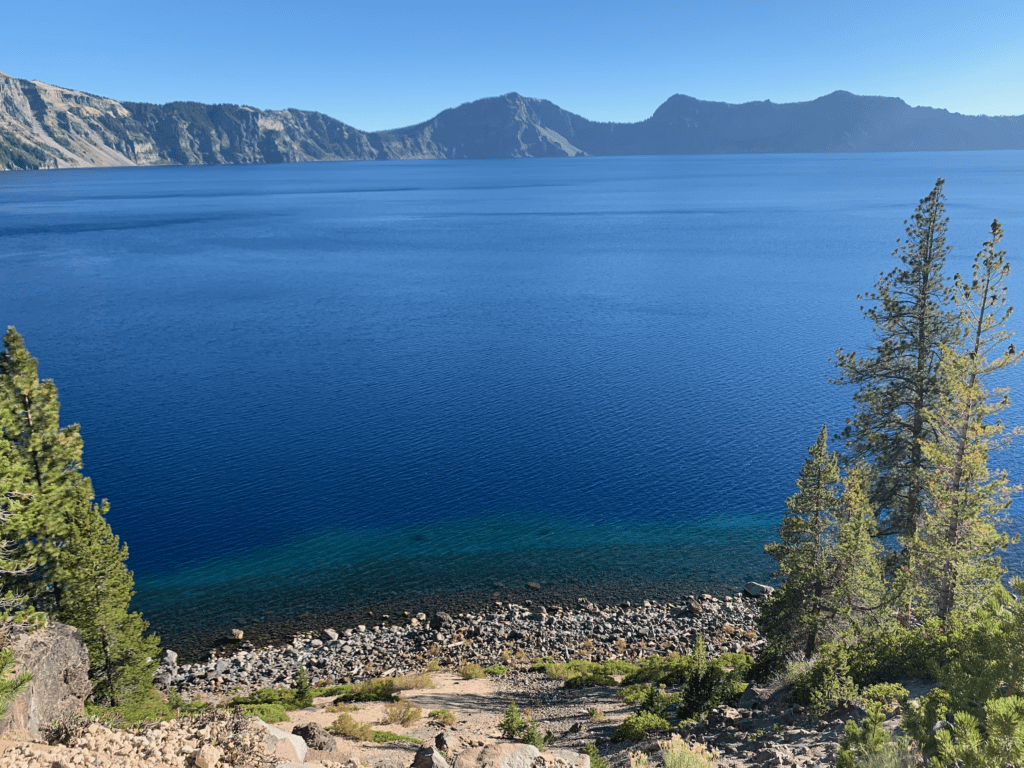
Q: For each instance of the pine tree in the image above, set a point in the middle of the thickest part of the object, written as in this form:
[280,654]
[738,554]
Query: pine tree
[953,551]
[49,459]
[13,499]
[12,564]
[826,554]
[78,571]
[899,380]
[859,590]
[10,687]
[97,590]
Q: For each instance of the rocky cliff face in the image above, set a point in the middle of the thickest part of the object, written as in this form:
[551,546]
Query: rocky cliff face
[43,126]
[59,662]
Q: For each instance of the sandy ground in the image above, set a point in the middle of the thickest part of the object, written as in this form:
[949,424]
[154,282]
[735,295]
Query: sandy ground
[478,706]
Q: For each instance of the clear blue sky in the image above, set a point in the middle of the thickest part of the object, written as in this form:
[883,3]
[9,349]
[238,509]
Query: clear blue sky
[389,64]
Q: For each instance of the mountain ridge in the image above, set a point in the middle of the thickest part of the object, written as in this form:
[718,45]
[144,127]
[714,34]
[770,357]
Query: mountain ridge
[47,126]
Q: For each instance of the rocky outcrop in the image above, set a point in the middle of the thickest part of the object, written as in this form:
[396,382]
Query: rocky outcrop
[45,126]
[59,662]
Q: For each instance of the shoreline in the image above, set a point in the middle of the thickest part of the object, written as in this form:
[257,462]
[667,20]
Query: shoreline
[511,634]
[193,643]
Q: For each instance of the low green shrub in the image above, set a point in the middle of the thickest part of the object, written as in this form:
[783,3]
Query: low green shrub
[378,689]
[596,761]
[563,671]
[178,706]
[401,711]
[268,713]
[150,708]
[350,728]
[495,670]
[824,682]
[632,694]
[676,753]
[870,746]
[595,715]
[657,700]
[332,690]
[303,695]
[299,697]
[471,671]
[920,717]
[413,682]
[443,716]
[383,737]
[531,735]
[704,683]
[590,680]
[637,726]
[618,667]
[515,726]
[578,667]
[885,694]
[512,724]
[739,664]
[1000,743]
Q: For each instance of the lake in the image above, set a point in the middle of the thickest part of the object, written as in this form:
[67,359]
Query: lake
[316,391]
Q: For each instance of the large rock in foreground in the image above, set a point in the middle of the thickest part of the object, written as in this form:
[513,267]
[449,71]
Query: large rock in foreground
[59,662]
[516,755]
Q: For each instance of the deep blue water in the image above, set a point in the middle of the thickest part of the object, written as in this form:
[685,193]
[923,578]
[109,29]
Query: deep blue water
[309,386]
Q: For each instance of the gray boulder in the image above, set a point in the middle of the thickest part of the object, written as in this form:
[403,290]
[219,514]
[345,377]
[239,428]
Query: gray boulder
[441,620]
[316,737]
[498,755]
[59,662]
[754,589]
[285,746]
[428,757]
[566,757]
[163,679]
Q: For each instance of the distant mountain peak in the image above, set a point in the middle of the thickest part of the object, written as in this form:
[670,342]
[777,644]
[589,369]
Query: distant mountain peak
[44,126]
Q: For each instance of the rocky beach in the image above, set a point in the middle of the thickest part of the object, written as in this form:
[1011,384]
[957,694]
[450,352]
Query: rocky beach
[762,730]
[507,633]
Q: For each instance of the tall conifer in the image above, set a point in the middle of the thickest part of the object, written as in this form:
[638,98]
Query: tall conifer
[49,458]
[78,566]
[898,381]
[827,557]
[97,590]
[953,551]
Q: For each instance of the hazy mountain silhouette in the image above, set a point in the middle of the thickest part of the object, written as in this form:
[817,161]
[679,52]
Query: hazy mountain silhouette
[45,126]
